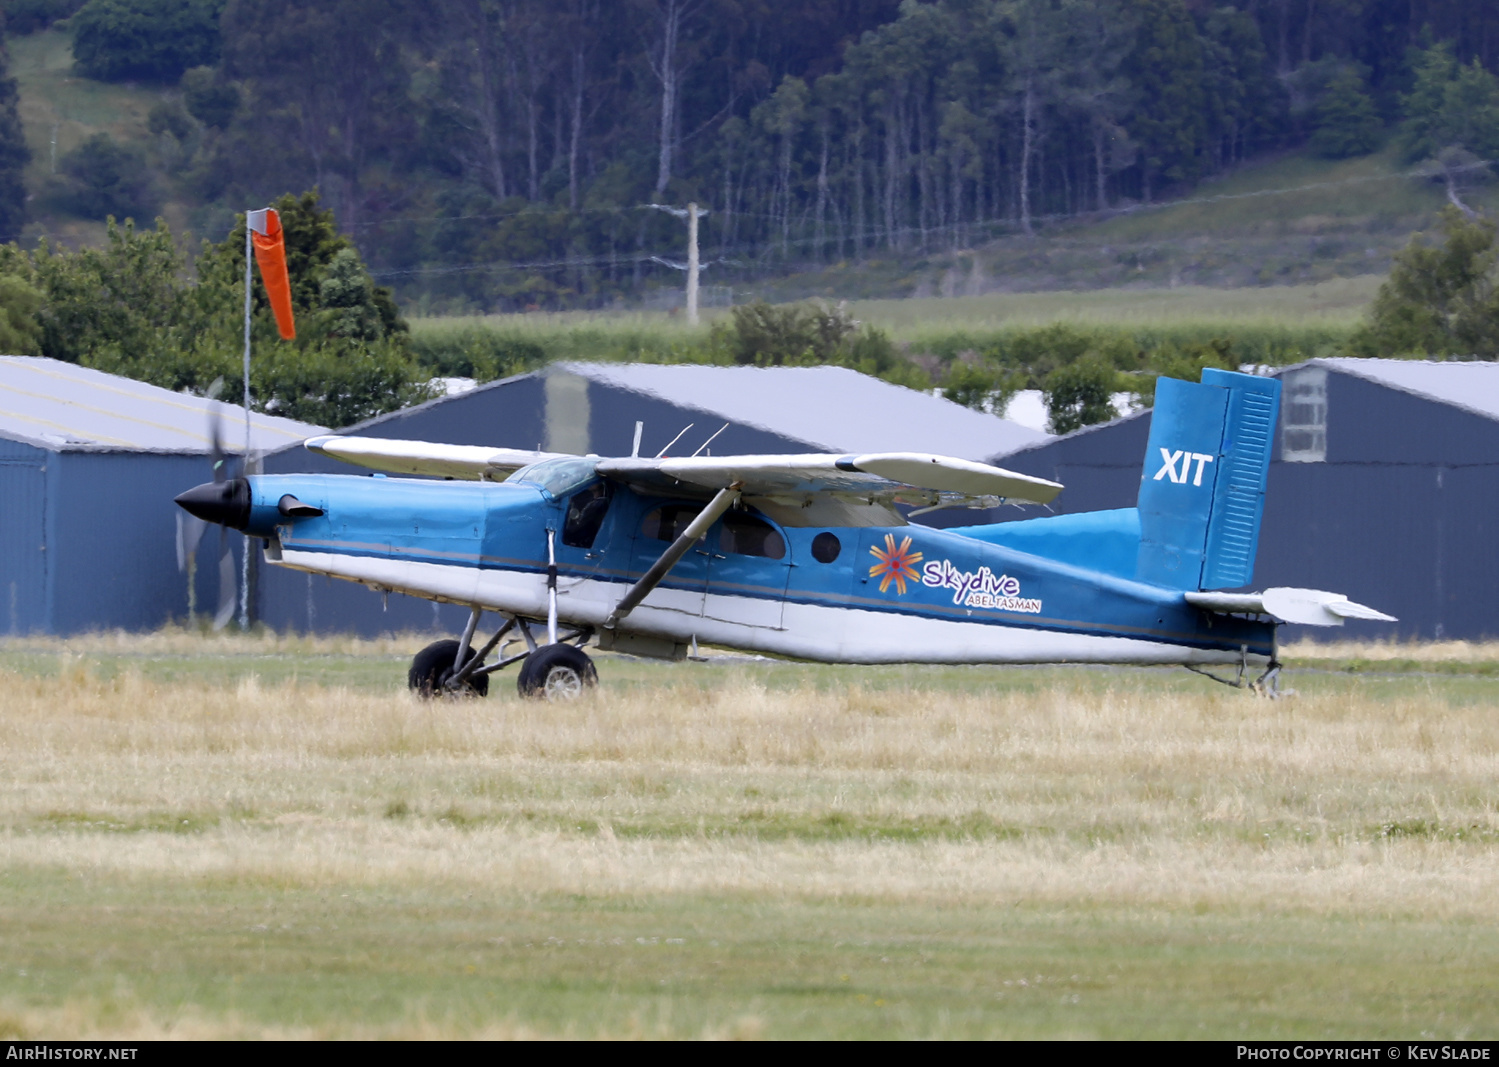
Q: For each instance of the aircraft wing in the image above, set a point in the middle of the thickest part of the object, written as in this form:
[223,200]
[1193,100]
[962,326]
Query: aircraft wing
[423,457]
[1309,607]
[910,477]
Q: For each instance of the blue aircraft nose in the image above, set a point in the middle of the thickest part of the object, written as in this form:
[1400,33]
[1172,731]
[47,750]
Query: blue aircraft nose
[226,503]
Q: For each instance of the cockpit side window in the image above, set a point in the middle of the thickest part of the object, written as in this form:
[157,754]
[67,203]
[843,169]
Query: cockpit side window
[670,521]
[585,514]
[744,534]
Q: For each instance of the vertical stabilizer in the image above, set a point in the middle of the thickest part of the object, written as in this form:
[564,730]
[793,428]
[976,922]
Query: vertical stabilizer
[1202,491]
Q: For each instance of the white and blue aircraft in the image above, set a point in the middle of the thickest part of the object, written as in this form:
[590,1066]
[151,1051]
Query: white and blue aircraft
[803,556]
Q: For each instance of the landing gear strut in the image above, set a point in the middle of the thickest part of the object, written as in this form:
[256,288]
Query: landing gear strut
[559,670]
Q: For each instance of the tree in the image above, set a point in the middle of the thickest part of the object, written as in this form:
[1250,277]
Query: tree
[1246,105]
[153,40]
[1080,393]
[1450,105]
[20,301]
[14,155]
[208,99]
[781,117]
[122,308]
[981,387]
[1166,68]
[1347,124]
[1036,59]
[330,71]
[1439,301]
[102,177]
[1098,89]
[673,20]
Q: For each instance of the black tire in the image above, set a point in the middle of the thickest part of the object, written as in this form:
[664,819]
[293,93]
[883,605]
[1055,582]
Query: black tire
[431,667]
[556,672]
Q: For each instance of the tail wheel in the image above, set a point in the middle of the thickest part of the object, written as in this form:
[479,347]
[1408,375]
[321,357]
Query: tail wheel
[556,672]
[433,666]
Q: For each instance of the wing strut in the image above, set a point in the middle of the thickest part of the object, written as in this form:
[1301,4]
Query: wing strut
[721,502]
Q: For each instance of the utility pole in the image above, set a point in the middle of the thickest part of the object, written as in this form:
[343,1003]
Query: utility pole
[693,265]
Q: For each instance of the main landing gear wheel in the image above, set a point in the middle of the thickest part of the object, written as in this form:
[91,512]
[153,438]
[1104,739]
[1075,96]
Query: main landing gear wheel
[433,666]
[556,672]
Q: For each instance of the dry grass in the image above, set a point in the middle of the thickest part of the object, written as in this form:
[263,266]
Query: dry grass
[1110,793]
[1469,652]
[1126,796]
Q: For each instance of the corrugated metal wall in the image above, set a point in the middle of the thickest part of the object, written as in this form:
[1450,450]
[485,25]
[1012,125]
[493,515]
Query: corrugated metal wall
[115,542]
[23,538]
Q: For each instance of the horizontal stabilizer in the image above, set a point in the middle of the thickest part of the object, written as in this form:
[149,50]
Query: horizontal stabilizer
[423,457]
[1307,607]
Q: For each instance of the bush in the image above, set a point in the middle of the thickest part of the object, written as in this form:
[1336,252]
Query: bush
[101,177]
[768,335]
[479,352]
[1081,393]
[153,40]
[211,102]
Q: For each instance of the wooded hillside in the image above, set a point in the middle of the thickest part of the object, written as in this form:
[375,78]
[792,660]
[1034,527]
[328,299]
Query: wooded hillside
[500,154]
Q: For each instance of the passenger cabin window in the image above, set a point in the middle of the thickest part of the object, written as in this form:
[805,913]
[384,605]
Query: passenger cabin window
[670,522]
[585,514]
[743,534]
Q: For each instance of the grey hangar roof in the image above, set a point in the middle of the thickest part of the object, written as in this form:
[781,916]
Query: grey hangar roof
[831,408]
[64,407]
[592,408]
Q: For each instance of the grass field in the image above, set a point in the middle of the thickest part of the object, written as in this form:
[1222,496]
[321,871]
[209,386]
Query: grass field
[247,837]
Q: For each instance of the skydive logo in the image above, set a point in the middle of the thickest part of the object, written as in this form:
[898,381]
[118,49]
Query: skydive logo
[978,589]
[1170,459]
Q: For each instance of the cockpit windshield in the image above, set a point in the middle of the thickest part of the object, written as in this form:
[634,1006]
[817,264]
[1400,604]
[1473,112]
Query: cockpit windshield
[557,476]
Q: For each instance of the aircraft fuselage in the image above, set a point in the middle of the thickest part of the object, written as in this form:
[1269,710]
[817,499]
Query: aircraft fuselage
[847,594]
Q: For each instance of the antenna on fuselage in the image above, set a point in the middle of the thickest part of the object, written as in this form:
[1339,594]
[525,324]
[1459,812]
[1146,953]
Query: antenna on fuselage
[675,439]
[709,441]
[635,448]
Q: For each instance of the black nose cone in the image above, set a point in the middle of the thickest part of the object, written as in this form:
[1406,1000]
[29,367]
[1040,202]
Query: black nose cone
[226,503]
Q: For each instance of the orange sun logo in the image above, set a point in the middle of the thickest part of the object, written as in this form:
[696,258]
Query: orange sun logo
[896,565]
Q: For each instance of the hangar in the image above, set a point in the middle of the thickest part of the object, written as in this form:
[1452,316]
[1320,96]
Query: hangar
[89,464]
[1384,486]
[593,408]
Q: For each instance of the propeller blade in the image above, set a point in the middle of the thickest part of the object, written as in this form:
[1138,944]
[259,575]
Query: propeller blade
[189,532]
[216,442]
[228,587]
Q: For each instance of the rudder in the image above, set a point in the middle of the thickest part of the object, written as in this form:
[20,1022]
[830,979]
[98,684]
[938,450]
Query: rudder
[1202,491]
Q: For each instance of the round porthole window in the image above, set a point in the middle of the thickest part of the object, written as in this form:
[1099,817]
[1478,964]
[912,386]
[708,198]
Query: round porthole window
[825,547]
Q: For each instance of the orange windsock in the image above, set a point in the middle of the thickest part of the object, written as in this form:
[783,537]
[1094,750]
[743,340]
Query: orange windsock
[270,254]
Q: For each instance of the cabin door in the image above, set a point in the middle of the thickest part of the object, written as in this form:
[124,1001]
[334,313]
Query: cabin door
[683,589]
[748,567]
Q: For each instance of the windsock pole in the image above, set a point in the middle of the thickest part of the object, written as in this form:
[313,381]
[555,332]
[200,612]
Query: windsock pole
[244,577]
[266,242]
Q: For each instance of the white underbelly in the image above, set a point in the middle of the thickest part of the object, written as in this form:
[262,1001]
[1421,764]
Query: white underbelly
[819,632]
